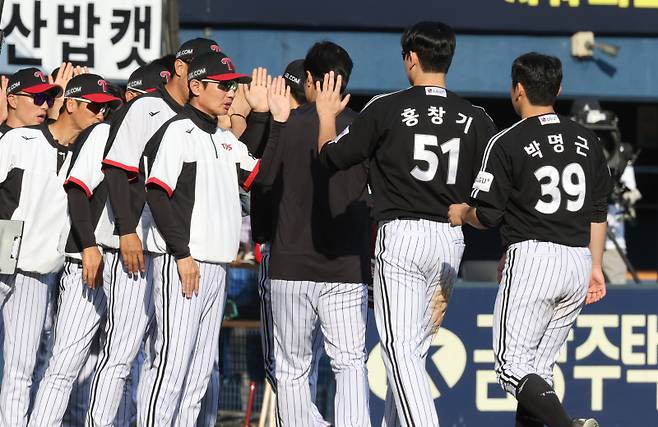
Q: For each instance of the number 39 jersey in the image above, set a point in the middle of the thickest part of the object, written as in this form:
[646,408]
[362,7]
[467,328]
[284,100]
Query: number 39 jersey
[425,144]
[546,179]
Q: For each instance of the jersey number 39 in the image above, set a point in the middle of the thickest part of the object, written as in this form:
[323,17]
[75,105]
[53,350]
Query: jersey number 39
[573,184]
[421,142]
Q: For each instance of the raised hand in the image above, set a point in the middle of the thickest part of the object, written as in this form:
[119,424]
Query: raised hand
[64,75]
[256,91]
[278,99]
[240,105]
[4,82]
[329,101]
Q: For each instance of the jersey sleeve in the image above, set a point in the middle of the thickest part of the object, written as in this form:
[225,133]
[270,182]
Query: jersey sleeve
[355,143]
[125,149]
[168,162]
[86,171]
[485,129]
[7,156]
[248,166]
[602,182]
[492,185]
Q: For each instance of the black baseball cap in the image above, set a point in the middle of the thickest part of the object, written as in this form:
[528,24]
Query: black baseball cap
[295,74]
[147,78]
[215,66]
[31,80]
[90,87]
[195,47]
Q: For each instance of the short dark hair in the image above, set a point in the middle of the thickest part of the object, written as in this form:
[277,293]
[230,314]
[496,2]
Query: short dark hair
[327,56]
[433,42]
[540,75]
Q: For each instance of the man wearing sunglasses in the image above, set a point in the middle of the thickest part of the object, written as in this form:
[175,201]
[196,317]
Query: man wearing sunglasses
[33,165]
[192,168]
[29,95]
[127,279]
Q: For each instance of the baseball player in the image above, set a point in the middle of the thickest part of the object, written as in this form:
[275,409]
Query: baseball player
[28,98]
[192,180]
[424,145]
[318,258]
[127,277]
[146,79]
[33,164]
[82,304]
[545,180]
[262,216]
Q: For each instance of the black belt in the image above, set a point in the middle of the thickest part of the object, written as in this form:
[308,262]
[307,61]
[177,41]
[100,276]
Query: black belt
[408,218]
[73,260]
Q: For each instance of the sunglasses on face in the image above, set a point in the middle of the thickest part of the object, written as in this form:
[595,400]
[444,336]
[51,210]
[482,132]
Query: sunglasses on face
[95,107]
[226,86]
[39,98]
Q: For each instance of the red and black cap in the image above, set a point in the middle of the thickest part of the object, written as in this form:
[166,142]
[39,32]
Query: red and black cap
[215,66]
[147,78]
[31,80]
[195,47]
[90,87]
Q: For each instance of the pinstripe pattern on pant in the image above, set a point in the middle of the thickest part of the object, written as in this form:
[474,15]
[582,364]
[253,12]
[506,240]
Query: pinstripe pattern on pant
[542,292]
[186,345]
[79,315]
[129,312]
[210,403]
[24,315]
[416,267]
[340,310]
[267,339]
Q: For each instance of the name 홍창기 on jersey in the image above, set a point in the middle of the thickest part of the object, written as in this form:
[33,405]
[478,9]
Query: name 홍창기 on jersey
[410,117]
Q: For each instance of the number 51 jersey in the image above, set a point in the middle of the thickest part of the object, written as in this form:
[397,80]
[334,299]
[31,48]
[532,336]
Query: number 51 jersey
[425,146]
[545,178]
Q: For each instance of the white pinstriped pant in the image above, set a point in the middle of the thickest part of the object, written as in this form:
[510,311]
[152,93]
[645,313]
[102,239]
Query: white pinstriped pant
[186,345]
[267,338]
[80,313]
[416,267]
[24,313]
[542,291]
[299,308]
[128,315]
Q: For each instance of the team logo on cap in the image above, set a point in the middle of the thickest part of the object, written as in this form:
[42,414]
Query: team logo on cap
[292,78]
[40,75]
[227,61]
[165,75]
[196,73]
[184,52]
[102,83]
[215,48]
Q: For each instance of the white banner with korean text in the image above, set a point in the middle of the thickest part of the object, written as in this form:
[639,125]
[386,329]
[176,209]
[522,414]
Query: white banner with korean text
[111,37]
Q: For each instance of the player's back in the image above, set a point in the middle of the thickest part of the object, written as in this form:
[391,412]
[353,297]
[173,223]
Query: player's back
[428,152]
[556,173]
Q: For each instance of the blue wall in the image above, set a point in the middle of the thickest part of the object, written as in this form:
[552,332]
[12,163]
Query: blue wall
[480,68]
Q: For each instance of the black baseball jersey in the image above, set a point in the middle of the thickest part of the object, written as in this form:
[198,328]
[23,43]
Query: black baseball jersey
[425,144]
[33,166]
[546,179]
